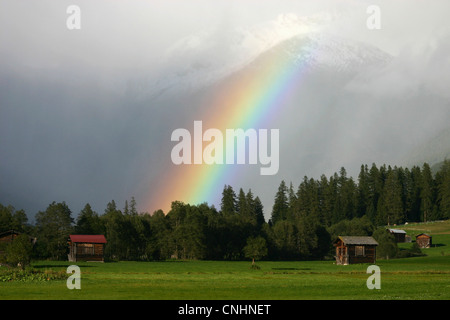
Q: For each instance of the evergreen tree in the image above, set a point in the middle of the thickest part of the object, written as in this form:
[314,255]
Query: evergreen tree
[251,213]
[426,193]
[259,212]
[375,186]
[280,206]
[133,208]
[115,232]
[292,203]
[346,197]
[228,205]
[126,210]
[416,182]
[326,200]
[88,222]
[391,206]
[243,207]
[443,187]
[363,192]
[308,198]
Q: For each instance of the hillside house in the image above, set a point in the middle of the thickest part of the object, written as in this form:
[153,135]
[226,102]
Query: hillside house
[423,240]
[355,249]
[86,247]
[399,235]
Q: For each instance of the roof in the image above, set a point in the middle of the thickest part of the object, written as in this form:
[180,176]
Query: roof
[424,234]
[9,232]
[88,238]
[357,240]
[397,231]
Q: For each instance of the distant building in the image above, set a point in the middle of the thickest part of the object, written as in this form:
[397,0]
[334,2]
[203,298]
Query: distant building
[86,247]
[8,237]
[423,240]
[399,235]
[352,249]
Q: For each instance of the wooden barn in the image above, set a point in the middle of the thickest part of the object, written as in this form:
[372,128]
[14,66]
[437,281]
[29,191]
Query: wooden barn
[423,240]
[399,235]
[355,249]
[86,247]
[8,237]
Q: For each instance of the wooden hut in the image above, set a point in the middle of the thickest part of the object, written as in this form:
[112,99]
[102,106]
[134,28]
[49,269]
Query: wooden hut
[423,240]
[8,237]
[399,235]
[355,249]
[86,247]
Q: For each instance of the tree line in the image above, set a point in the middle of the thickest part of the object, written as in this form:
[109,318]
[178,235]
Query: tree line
[303,222]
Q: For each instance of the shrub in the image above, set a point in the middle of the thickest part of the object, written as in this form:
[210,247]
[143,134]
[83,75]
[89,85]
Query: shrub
[18,252]
[28,275]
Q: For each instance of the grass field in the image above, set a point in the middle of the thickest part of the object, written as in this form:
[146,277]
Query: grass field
[418,278]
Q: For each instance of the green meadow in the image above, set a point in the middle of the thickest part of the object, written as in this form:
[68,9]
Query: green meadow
[418,278]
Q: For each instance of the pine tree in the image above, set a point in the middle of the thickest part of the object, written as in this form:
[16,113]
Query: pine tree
[292,203]
[363,193]
[326,200]
[243,207]
[259,212]
[228,205]
[346,196]
[88,222]
[391,210]
[443,187]
[133,209]
[280,206]
[126,211]
[426,193]
[375,188]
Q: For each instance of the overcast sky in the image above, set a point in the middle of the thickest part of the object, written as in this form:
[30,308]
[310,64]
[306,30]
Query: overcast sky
[120,34]
[66,95]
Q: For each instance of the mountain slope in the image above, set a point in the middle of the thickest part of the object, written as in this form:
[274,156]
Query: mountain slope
[433,151]
[204,58]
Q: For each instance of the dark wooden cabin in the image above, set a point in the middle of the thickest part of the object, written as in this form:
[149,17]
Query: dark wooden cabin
[423,240]
[355,249]
[399,235]
[86,247]
[8,237]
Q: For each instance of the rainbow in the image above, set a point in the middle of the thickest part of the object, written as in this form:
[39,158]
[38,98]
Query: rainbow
[249,100]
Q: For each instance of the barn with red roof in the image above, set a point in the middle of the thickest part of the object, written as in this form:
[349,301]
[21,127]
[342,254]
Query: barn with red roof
[86,247]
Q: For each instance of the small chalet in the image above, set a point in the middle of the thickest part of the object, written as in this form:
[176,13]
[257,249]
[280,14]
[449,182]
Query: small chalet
[399,235]
[355,249]
[86,247]
[423,240]
[8,237]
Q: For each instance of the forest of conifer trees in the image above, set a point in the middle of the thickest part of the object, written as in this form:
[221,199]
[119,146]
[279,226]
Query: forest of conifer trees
[304,219]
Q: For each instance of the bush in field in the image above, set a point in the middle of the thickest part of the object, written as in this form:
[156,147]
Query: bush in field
[414,251]
[28,275]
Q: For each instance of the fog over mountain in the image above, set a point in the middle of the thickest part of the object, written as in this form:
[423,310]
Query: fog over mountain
[87,116]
